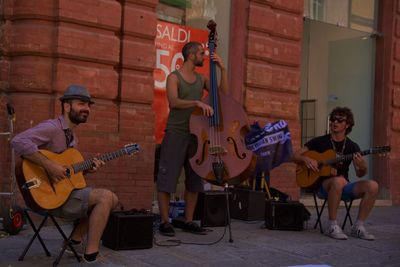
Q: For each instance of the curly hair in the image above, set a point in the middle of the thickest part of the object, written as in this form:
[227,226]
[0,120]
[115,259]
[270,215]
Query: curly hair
[344,112]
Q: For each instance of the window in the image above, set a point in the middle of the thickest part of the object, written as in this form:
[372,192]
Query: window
[307,120]
[355,14]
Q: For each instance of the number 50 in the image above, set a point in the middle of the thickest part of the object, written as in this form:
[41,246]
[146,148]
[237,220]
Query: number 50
[165,53]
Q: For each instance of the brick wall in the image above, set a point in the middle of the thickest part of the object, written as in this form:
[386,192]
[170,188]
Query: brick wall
[106,45]
[387,98]
[272,73]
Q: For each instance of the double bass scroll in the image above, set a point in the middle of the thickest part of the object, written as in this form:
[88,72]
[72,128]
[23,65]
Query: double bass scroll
[221,154]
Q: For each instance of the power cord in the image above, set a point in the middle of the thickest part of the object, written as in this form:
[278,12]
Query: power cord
[177,242]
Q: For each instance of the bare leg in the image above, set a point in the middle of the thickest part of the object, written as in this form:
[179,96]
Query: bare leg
[80,230]
[190,200]
[368,191]
[163,205]
[103,202]
[334,187]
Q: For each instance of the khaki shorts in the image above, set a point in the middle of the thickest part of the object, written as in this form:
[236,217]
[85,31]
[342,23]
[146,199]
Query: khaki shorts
[76,207]
[176,149]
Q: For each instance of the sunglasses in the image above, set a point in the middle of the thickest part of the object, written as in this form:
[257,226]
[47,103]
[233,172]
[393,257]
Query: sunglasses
[338,119]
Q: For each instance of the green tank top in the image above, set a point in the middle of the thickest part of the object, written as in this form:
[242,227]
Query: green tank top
[178,118]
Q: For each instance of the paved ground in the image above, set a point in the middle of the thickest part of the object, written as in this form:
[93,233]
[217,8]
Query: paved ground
[252,246]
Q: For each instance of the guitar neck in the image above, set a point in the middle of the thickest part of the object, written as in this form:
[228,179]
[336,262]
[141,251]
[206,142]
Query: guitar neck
[348,157]
[88,164]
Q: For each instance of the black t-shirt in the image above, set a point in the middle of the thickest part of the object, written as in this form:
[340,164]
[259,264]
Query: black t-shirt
[323,143]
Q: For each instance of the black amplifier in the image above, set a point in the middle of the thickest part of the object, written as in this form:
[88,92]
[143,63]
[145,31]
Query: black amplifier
[128,230]
[246,204]
[211,209]
[284,215]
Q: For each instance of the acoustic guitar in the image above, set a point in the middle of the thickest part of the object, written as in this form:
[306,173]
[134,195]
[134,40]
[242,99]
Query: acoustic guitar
[40,192]
[307,178]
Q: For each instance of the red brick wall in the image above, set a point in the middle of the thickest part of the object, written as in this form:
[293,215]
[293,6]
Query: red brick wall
[272,35]
[387,98]
[50,44]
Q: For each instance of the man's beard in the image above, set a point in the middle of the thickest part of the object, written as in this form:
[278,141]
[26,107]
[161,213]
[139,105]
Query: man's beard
[76,117]
[198,63]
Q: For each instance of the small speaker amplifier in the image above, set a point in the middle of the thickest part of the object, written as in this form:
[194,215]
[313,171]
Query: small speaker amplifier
[211,209]
[246,204]
[128,230]
[284,215]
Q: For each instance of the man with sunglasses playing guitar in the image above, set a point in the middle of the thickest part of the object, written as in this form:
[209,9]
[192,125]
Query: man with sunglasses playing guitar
[336,185]
[91,206]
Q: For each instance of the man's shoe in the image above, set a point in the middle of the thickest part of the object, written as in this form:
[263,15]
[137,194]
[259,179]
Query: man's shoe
[334,231]
[79,248]
[166,229]
[193,228]
[360,232]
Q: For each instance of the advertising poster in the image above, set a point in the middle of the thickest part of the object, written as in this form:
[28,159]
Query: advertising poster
[169,42]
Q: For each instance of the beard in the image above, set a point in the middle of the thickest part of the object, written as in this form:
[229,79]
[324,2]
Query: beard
[78,117]
[198,63]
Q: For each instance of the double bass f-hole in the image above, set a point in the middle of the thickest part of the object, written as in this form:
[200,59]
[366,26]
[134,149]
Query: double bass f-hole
[235,145]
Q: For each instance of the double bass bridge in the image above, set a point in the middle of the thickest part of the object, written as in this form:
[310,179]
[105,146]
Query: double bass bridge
[217,150]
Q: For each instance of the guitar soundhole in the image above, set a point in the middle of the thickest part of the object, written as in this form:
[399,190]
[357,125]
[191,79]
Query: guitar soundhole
[68,173]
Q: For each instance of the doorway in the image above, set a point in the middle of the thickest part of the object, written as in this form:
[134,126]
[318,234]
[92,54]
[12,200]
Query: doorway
[338,67]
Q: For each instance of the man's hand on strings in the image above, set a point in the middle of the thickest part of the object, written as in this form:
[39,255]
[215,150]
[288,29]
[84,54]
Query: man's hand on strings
[207,110]
[218,60]
[311,164]
[97,163]
[56,172]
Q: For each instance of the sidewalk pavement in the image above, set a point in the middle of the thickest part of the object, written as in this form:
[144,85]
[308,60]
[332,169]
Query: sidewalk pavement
[252,246]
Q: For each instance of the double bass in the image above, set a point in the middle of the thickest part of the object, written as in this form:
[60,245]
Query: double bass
[221,154]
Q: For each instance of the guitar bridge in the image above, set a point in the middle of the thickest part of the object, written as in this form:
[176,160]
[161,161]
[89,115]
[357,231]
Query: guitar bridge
[32,183]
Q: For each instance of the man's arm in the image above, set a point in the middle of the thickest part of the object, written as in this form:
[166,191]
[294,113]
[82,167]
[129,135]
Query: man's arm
[26,145]
[223,85]
[360,165]
[176,102]
[298,157]
[55,171]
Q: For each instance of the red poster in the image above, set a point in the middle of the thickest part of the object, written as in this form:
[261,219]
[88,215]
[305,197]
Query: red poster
[169,42]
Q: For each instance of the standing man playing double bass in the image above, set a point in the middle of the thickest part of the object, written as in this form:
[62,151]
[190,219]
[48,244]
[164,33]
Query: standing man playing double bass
[184,92]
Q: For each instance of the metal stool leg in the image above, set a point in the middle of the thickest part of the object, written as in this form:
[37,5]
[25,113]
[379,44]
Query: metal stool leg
[21,258]
[348,207]
[66,242]
[319,213]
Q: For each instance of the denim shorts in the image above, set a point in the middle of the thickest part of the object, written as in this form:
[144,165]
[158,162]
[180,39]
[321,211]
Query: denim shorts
[347,192]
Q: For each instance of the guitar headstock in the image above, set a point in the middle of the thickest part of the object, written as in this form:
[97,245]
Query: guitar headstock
[381,150]
[131,149]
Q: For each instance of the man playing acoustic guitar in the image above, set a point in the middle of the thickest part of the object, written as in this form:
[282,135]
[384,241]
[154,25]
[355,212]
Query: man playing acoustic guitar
[337,184]
[91,206]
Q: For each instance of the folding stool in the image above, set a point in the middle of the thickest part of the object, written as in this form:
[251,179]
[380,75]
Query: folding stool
[67,240]
[348,202]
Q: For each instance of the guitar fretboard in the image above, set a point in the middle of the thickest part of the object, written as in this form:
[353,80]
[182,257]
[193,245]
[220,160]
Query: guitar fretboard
[349,157]
[88,164]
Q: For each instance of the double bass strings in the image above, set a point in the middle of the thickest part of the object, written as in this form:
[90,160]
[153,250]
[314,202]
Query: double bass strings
[214,121]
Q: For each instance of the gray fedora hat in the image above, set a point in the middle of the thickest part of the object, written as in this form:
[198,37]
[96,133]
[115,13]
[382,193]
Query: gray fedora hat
[77,92]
